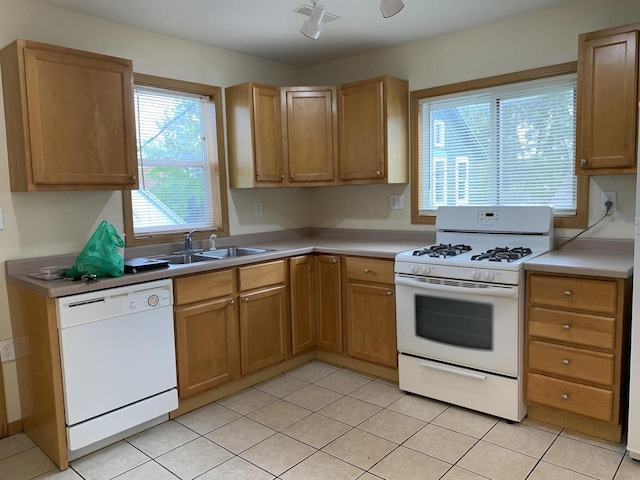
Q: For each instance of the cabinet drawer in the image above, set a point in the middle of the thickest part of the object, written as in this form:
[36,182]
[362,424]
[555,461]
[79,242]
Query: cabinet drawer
[576,363]
[570,397]
[261,275]
[578,328]
[370,270]
[196,288]
[598,296]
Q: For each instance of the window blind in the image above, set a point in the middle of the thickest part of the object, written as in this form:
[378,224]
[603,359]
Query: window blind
[510,145]
[176,144]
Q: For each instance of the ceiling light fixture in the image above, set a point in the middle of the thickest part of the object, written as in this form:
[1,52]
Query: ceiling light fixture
[311,27]
[390,7]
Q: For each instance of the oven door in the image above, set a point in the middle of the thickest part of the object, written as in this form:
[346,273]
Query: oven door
[470,324]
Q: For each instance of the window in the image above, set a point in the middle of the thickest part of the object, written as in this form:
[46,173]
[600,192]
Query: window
[180,162]
[498,141]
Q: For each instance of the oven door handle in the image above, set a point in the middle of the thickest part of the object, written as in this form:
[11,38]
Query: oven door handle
[453,370]
[489,291]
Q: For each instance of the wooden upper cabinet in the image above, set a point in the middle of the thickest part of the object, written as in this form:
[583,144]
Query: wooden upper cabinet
[70,119]
[254,136]
[373,131]
[607,103]
[309,143]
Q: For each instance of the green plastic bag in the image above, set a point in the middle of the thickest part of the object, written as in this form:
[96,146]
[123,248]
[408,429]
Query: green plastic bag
[100,255]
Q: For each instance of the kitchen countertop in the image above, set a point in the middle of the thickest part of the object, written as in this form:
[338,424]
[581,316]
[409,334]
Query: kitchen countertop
[17,270]
[584,262]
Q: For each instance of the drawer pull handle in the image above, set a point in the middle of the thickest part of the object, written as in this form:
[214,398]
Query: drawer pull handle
[378,173]
[566,326]
[564,396]
[232,302]
[245,300]
[282,176]
[568,293]
[583,162]
[366,270]
[565,361]
[335,260]
[389,292]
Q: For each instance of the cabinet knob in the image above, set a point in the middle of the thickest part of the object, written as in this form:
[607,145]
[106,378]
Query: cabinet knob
[335,260]
[282,176]
[583,162]
[133,178]
[389,292]
[565,361]
[566,326]
[564,396]
[568,293]
[378,173]
[366,270]
[245,300]
[232,302]
[292,176]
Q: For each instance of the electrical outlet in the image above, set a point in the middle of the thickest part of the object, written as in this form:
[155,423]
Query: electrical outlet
[611,196]
[7,352]
[258,208]
[397,202]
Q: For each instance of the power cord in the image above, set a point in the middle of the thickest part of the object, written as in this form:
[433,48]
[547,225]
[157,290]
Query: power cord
[607,206]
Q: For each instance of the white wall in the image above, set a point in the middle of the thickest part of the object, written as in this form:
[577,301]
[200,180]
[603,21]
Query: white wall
[41,224]
[540,38]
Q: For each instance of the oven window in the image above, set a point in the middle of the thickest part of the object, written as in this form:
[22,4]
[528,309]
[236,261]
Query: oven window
[455,322]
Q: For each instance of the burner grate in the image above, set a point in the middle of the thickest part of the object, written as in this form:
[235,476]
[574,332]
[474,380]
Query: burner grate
[443,250]
[500,254]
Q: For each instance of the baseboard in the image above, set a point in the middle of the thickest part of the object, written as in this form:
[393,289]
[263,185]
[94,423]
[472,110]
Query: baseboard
[606,431]
[334,358]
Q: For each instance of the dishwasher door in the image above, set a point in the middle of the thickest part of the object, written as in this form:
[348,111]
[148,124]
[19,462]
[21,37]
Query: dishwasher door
[117,348]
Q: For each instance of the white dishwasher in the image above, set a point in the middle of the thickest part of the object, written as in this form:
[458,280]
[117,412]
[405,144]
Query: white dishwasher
[118,359]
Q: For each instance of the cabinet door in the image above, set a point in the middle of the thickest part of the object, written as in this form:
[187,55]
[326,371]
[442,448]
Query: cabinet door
[371,323]
[310,119]
[81,119]
[264,328]
[607,104]
[303,318]
[328,302]
[207,345]
[267,134]
[361,131]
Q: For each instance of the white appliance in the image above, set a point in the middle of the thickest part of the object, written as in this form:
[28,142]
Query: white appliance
[118,360]
[460,307]
[633,429]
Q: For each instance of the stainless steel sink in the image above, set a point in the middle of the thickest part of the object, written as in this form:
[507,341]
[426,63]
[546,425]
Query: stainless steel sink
[186,258]
[233,252]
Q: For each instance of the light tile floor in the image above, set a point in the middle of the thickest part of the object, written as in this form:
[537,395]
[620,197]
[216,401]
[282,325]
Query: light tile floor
[321,422]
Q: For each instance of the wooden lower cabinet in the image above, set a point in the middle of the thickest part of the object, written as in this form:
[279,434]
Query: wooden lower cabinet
[208,347]
[303,315]
[328,302]
[370,311]
[576,351]
[264,328]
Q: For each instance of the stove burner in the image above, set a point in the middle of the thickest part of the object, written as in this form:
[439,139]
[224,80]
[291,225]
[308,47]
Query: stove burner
[443,251]
[499,254]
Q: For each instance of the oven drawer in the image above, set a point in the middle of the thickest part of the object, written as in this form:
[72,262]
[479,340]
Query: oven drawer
[597,296]
[370,270]
[578,328]
[575,363]
[592,402]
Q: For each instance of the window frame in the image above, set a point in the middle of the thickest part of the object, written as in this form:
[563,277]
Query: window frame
[579,220]
[218,168]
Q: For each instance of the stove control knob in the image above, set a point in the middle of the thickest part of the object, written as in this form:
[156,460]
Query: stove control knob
[489,276]
[475,274]
[425,270]
[415,269]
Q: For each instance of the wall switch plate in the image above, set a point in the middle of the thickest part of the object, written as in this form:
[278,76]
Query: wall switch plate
[611,196]
[258,208]
[7,352]
[397,202]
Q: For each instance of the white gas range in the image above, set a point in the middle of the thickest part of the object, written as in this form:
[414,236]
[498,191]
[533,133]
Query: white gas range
[460,307]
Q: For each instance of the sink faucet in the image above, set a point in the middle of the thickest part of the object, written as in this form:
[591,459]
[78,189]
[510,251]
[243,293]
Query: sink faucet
[188,242]
[212,241]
